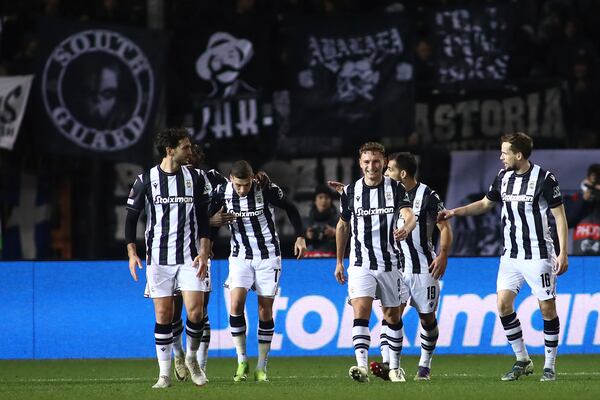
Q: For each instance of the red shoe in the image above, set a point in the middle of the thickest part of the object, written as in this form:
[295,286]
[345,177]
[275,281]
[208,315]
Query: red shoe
[381,370]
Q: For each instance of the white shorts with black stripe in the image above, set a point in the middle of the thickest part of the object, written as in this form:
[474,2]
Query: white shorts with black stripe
[424,291]
[537,273]
[261,275]
[386,286]
[167,280]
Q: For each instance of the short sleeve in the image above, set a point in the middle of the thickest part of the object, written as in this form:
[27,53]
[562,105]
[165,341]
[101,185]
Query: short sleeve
[435,204]
[402,199]
[551,191]
[275,193]
[136,198]
[493,192]
[345,211]
[204,188]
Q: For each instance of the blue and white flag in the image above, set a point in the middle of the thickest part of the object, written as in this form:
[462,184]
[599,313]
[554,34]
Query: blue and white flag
[27,233]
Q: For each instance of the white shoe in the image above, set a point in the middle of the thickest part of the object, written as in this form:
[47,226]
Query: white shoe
[397,375]
[181,371]
[163,382]
[198,376]
[359,374]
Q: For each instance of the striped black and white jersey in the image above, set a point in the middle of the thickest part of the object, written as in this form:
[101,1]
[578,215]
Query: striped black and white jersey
[418,247]
[527,200]
[253,234]
[176,205]
[373,212]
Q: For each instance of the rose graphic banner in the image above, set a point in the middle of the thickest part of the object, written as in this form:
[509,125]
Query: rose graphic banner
[351,77]
[97,89]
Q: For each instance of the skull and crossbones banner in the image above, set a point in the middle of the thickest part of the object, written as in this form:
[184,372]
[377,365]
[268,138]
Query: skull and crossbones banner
[351,77]
[97,89]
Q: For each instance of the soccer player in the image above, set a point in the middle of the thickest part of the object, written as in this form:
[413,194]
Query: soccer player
[527,192]
[175,199]
[217,219]
[422,269]
[369,210]
[255,260]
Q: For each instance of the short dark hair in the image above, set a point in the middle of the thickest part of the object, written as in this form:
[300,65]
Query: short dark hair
[198,156]
[169,137]
[519,142]
[405,161]
[242,170]
[594,169]
[373,147]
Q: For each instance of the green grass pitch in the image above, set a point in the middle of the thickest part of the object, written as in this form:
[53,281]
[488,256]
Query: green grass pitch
[303,378]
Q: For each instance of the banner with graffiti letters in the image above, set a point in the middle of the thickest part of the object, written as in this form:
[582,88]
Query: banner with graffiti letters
[98,89]
[471,43]
[351,77]
[14,91]
[476,119]
[226,74]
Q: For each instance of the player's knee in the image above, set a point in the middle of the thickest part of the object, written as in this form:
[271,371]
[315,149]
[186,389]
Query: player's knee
[548,309]
[196,314]
[427,319]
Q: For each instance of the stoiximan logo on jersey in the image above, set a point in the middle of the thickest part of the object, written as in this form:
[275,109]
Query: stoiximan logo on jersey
[97,88]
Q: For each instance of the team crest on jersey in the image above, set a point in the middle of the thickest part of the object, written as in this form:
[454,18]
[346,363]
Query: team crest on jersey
[259,198]
[389,196]
[417,204]
[556,192]
[188,184]
[531,185]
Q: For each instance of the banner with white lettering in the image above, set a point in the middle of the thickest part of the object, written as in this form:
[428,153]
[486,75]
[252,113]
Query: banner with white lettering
[476,119]
[98,88]
[482,235]
[471,43]
[14,92]
[225,72]
[351,77]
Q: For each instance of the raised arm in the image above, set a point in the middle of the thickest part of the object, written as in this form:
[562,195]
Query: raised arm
[476,208]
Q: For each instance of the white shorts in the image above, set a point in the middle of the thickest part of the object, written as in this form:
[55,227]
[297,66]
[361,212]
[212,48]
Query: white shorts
[537,273]
[386,286]
[165,280]
[258,274]
[424,291]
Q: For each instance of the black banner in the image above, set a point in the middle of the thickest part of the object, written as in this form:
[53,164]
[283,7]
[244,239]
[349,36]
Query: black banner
[471,43]
[476,119]
[97,88]
[351,77]
[227,76]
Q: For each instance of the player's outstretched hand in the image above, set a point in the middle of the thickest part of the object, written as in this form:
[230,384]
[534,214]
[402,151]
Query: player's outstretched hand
[202,265]
[262,179]
[221,218]
[445,215]
[337,186]
[438,267]
[562,264]
[134,261]
[299,247]
[400,234]
[339,274]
